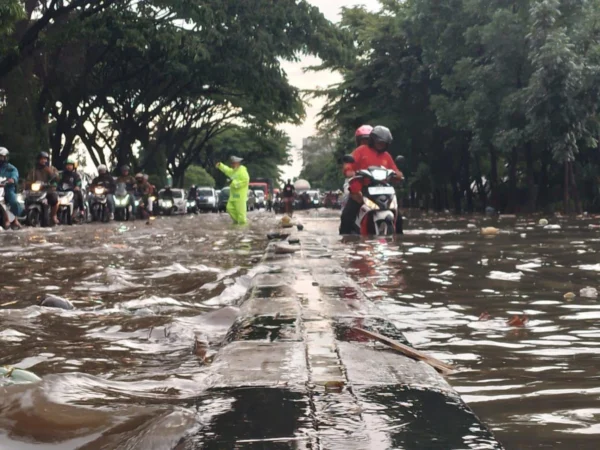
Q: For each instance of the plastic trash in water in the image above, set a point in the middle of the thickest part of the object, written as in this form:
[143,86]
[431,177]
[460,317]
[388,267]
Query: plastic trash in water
[589,292]
[543,222]
[14,375]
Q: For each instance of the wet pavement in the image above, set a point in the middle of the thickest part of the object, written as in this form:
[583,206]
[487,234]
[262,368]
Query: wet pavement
[132,365]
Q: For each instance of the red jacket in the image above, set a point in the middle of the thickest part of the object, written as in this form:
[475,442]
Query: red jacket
[365,157]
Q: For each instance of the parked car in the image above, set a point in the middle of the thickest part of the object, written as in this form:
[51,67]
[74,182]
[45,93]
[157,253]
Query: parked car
[260,198]
[207,199]
[223,199]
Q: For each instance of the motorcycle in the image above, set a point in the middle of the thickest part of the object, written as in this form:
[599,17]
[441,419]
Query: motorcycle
[192,206]
[37,210]
[122,203]
[99,204]
[166,205]
[3,206]
[378,215]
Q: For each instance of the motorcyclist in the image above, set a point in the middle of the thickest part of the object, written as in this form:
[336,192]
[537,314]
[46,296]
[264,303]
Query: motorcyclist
[44,173]
[142,191]
[193,193]
[361,137]
[70,180]
[108,182]
[11,174]
[374,153]
[129,182]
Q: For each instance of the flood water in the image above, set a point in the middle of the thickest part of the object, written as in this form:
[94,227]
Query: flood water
[143,295]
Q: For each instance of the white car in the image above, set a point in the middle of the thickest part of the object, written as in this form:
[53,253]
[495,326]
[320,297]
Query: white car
[260,198]
[207,199]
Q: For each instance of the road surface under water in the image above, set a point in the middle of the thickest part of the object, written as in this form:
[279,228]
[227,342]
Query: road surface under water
[145,294]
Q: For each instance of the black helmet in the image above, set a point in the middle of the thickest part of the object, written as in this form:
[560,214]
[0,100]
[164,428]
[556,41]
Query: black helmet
[125,167]
[43,155]
[380,134]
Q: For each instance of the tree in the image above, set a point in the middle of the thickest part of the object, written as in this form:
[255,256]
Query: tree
[481,97]
[198,176]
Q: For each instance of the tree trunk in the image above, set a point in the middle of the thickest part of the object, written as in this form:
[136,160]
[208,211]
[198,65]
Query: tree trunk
[575,191]
[512,182]
[479,183]
[493,178]
[566,189]
[532,188]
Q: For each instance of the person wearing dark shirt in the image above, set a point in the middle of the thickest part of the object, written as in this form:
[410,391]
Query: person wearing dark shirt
[106,180]
[288,197]
[70,180]
[44,173]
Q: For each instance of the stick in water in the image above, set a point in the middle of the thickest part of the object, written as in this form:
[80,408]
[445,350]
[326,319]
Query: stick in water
[438,365]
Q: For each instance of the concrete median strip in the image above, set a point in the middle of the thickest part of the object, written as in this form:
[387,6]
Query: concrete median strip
[296,370]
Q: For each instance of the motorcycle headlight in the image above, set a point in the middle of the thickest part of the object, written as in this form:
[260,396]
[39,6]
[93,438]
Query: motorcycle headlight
[152,199]
[370,203]
[99,191]
[137,203]
[35,187]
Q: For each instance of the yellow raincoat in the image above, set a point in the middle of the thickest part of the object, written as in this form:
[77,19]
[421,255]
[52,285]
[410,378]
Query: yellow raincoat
[238,195]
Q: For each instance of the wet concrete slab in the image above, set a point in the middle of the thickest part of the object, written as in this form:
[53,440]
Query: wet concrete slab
[293,373]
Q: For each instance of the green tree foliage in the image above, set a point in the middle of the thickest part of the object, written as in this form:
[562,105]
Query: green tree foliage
[492,103]
[198,176]
[133,82]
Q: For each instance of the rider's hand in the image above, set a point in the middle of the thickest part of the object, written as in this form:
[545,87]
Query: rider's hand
[350,173]
[76,188]
[10,181]
[218,164]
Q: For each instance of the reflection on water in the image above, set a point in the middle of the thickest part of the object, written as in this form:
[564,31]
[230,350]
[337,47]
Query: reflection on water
[536,386]
[128,365]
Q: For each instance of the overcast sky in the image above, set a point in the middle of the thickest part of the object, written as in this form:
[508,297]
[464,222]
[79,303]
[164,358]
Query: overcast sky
[331,9]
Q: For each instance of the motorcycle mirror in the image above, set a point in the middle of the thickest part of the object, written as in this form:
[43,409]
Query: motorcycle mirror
[348,159]
[399,160]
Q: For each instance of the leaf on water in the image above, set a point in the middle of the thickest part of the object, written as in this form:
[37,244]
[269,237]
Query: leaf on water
[517,321]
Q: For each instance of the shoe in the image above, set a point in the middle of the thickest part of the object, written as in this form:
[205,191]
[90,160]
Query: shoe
[112,216]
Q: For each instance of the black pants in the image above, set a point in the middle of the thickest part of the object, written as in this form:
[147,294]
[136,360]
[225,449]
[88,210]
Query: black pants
[349,216]
[78,200]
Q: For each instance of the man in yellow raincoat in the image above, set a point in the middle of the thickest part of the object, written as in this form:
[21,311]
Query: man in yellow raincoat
[238,194]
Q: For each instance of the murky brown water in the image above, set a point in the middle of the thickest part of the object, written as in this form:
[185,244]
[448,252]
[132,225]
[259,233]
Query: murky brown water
[143,295]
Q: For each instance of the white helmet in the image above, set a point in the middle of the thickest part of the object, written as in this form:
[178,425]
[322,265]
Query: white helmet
[102,168]
[3,151]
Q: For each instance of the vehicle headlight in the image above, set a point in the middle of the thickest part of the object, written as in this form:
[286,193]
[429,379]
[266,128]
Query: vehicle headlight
[137,203]
[152,199]
[35,187]
[370,203]
[99,191]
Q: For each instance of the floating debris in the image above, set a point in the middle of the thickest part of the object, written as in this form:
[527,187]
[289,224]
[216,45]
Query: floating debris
[589,292]
[14,375]
[543,222]
[53,301]
[569,296]
[489,231]
[517,321]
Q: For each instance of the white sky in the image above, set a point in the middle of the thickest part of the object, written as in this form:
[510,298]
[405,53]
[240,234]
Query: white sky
[311,80]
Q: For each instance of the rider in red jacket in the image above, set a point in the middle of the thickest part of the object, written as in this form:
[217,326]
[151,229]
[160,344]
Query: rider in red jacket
[373,154]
